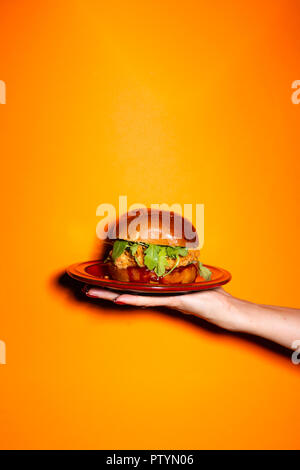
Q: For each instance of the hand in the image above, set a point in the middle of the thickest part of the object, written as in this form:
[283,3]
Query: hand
[215,306]
[278,324]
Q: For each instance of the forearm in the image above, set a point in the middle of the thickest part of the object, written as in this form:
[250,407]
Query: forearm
[278,324]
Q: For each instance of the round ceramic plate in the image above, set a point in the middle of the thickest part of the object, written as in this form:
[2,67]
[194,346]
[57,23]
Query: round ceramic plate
[94,272]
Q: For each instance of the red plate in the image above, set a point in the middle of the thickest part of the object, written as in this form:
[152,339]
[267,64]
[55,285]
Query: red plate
[94,272]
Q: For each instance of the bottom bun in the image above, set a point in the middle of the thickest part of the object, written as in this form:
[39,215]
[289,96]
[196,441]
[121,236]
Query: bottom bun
[182,275]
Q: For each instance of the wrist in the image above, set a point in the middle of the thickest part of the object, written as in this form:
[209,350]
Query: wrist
[248,316]
[238,315]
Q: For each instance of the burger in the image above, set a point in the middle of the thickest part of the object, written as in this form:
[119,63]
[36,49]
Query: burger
[151,246]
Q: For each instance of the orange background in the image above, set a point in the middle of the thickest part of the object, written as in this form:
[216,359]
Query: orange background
[164,101]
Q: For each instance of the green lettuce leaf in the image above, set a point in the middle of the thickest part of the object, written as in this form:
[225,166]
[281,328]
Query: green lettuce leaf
[172,269]
[133,249]
[174,251]
[204,272]
[155,258]
[162,262]
[118,248]
[151,256]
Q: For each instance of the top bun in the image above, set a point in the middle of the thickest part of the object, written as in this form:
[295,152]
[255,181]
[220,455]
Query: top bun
[154,227]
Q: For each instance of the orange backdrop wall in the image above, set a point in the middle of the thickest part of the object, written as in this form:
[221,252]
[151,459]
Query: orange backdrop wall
[162,101]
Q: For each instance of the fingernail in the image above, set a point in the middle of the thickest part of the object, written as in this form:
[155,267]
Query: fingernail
[85,289]
[119,302]
[88,293]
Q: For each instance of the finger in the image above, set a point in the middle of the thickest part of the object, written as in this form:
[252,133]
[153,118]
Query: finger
[145,301]
[126,299]
[97,293]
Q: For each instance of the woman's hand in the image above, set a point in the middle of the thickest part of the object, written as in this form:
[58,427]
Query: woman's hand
[215,306]
[278,324]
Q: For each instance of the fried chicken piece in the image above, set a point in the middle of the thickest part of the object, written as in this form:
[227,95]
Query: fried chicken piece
[126,259]
[191,257]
